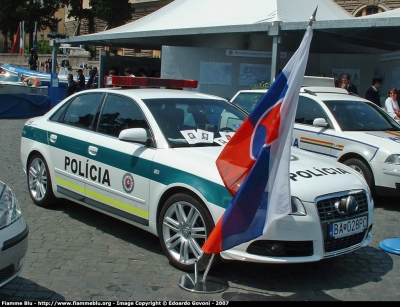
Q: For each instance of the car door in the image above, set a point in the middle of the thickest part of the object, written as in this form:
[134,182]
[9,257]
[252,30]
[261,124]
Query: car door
[309,137]
[68,132]
[119,171]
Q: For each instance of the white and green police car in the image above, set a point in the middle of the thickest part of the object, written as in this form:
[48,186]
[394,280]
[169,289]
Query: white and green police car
[147,157]
[347,128]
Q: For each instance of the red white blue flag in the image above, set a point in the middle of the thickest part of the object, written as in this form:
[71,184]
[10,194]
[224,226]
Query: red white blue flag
[254,165]
[21,38]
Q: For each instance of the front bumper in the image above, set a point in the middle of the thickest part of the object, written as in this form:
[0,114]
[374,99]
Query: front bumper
[13,248]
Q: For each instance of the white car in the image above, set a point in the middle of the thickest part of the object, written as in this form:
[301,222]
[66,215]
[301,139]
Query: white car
[13,236]
[347,128]
[147,157]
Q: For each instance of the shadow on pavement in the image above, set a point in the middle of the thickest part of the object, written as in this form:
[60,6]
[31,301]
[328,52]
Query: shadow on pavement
[21,289]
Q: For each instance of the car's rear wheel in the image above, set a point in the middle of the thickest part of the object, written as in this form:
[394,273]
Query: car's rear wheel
[360,167]
[183,226]
[39,182]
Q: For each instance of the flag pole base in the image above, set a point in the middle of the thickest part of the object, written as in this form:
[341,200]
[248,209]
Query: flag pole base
[190,282]
[209,285]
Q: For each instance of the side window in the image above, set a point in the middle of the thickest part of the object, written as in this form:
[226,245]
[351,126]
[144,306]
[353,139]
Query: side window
[120,113]
[308,110]
[81,111]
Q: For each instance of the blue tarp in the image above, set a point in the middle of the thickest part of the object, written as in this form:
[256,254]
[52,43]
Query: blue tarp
[23,106]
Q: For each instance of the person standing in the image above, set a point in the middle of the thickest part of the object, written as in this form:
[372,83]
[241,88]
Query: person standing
[346,84]
[392,105]
[72,86]
[81,79]
[33,58]
[128,72]
[372,93]
[92,77]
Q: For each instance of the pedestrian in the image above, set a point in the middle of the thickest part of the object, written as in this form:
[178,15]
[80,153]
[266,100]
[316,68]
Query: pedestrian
[372,94]
[92,78]
[72,86]
[33,58]
[346,84]
[81,79]
[142,73]
[128,72]
[392,105]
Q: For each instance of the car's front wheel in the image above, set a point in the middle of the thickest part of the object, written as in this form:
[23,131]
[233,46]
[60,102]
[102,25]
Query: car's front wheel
[39,182]
[183,226]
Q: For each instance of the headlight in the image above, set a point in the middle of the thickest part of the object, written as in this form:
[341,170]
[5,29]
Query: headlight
[395,159]
[9,206]
[297,207]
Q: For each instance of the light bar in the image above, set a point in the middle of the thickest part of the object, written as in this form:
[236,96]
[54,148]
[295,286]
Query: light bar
[125,81]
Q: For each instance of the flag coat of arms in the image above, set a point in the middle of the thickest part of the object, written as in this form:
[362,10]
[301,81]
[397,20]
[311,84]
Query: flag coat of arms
[254,165]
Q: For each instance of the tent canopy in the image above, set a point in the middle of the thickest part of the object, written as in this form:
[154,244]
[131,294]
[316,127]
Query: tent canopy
[229,24]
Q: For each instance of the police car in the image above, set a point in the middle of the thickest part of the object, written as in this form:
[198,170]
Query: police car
[13,236]
[147,157]
[347,128]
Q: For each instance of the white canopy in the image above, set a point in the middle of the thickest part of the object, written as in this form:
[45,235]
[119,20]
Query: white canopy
[190,14]
[169,25]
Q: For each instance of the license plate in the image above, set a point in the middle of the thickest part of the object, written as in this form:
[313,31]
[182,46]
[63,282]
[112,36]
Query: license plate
[348,227]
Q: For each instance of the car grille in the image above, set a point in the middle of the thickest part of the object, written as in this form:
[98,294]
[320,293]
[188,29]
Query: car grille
[328,214]
[6,273]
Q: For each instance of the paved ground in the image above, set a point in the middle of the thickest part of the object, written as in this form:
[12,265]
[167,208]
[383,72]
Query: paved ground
[78,254]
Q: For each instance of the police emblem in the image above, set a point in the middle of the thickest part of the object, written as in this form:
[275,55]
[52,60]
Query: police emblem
[128,183]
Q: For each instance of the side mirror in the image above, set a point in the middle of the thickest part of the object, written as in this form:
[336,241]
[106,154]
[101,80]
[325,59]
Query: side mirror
[320,122]
[138,135]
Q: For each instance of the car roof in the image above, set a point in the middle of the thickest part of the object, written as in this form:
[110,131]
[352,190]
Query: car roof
[148,93]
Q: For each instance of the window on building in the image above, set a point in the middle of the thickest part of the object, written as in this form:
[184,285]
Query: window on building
[369,10]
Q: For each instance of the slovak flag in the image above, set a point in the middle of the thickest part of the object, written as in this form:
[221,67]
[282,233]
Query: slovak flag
[254,165]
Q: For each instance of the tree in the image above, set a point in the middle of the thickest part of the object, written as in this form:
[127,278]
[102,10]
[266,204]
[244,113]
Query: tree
[11,13]
[76,11]
[14,11]
[114,12]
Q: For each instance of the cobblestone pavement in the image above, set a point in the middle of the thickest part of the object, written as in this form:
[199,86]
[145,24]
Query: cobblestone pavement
[76,253]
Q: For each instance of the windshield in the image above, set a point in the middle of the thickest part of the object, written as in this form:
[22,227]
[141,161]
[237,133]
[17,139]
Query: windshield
[196,122]
[361,116]
[9,77]
[247,101]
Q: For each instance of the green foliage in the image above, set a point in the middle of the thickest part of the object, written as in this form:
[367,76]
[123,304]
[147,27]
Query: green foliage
[92,50]
[43,48]
[261,85]
[114,12]
[12,12]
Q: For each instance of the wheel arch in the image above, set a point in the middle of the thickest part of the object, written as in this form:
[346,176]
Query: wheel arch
[175,190]
[353,155]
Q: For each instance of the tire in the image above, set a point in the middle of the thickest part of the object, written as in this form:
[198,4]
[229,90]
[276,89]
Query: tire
[183,226]
[362,168]
[39,182]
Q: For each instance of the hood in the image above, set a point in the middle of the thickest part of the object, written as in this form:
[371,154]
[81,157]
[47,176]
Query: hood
[386,139]
[312,175]
[307,171]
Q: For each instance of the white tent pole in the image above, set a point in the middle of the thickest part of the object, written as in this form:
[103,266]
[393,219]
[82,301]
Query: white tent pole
[274,31]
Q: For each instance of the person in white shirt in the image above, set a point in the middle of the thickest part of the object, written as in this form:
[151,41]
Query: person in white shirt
[391,104]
